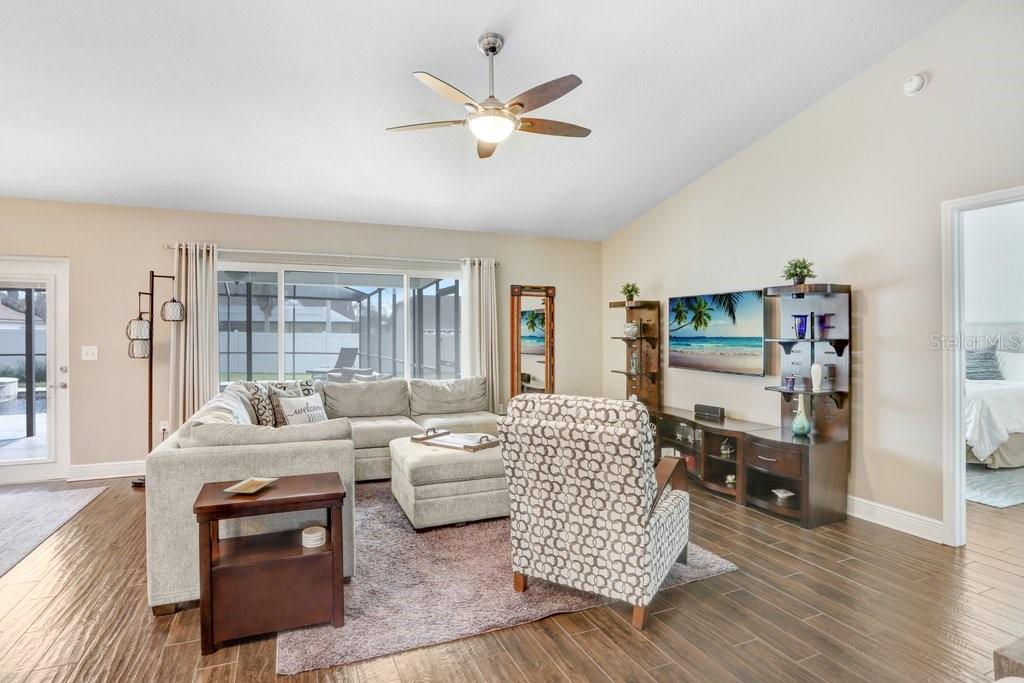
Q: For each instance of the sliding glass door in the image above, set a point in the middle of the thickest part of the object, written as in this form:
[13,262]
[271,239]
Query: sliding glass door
[299,323]
[247,311]
[344,324]
[436,332]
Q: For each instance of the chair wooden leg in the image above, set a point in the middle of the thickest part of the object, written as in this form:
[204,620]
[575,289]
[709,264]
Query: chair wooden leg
[518,582]
[682,556]
[164,610]
[639,618]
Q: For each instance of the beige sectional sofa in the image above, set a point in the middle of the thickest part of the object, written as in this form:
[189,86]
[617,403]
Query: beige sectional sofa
[390,409]
[223,441]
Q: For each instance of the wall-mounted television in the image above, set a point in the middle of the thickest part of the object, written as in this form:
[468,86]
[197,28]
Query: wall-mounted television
[717,332]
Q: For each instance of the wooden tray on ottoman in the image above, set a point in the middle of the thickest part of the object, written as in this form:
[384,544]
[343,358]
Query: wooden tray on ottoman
[268,582]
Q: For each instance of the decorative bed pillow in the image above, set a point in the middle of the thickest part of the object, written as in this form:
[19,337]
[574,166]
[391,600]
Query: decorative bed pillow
[299,410]
[1011,366]
[983,364]
[193,435]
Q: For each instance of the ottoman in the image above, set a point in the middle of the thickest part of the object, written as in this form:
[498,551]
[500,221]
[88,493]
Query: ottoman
[437,486]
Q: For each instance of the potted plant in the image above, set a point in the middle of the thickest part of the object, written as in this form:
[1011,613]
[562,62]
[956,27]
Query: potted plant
[798,270]
[630,290]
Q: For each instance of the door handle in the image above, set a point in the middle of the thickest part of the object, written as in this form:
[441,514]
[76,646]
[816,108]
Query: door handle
[761,457]
[63,385]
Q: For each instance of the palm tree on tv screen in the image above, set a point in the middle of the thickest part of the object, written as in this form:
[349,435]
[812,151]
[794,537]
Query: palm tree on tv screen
[696,312]
[533,321]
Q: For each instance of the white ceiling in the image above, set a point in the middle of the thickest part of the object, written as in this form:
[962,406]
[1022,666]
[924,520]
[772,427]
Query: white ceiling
[278,108]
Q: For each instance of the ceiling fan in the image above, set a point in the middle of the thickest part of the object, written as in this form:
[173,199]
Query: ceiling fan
[492,120]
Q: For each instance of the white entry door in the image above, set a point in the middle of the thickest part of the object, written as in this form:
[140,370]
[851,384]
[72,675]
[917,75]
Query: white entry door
[34,369]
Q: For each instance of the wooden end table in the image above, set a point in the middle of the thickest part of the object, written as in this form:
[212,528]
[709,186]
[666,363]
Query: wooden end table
[268,582]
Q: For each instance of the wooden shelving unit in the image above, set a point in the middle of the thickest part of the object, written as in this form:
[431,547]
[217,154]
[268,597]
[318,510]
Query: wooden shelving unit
[646,383]
[815,466]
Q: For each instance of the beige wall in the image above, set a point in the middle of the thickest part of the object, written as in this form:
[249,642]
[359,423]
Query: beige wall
[111,250]
[854,183]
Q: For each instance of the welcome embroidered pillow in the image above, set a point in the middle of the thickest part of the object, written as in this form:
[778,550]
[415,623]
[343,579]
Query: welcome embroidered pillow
[302,409]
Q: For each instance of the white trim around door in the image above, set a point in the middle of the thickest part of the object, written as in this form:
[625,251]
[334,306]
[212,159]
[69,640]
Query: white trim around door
[954,469]
[54,273]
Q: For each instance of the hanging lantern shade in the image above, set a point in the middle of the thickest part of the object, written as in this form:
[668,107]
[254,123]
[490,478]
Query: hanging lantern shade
[139,348]
[173,311]
[139,328]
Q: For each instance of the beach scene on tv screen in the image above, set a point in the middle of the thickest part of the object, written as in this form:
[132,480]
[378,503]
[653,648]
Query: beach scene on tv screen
[531,332]
[717,332]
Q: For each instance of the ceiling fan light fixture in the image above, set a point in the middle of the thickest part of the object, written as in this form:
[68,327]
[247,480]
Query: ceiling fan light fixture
[491,125]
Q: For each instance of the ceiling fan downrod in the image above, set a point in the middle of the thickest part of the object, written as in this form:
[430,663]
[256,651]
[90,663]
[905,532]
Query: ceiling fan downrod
[490,44]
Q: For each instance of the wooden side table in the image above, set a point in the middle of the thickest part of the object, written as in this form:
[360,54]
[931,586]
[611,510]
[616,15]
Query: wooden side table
[268,582]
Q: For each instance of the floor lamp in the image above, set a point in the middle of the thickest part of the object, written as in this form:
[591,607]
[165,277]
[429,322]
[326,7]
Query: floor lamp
[140,342]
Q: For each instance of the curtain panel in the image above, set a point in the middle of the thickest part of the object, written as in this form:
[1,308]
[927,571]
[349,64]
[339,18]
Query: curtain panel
[479,354]
[193,355]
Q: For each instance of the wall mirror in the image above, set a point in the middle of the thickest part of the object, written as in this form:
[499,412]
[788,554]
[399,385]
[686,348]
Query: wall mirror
[532,339]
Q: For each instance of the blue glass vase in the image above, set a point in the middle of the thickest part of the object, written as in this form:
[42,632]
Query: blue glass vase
[800,326]
[801,425]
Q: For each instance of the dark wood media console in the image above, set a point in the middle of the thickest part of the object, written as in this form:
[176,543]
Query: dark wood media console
[813,467]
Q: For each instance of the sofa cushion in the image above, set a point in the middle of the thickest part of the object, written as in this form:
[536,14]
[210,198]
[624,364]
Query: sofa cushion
[369,399]
[443,396]
[376,432]
[421,464]
[235,391]
[228,407]
[200,435]
[476,421]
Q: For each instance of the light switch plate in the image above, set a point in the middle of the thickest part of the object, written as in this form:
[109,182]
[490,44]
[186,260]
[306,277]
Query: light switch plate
[90,353]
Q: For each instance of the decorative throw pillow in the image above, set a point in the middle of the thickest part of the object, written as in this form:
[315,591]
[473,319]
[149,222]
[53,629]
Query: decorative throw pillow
[983,364]
[259,395]
[300,410]
[276,396]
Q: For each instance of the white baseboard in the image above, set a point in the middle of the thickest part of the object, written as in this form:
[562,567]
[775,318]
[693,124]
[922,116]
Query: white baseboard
[894,518]
[107,470]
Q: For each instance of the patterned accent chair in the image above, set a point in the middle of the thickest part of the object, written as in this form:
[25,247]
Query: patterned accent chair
[589,510]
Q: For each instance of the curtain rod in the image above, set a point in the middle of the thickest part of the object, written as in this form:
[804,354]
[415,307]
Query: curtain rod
[314,254]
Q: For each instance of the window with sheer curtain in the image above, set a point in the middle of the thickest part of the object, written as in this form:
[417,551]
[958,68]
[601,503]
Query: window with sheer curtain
[300,324]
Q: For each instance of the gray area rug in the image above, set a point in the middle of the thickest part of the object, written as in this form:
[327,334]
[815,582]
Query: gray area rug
[1001,488]
[27,518]
[414,589]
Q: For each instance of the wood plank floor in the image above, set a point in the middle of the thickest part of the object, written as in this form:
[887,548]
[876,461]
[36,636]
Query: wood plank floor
[852,601]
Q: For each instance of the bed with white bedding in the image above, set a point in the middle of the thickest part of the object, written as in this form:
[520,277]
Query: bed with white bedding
[994,422]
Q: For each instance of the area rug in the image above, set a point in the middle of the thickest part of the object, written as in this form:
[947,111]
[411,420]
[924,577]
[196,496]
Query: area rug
[1001,488]
[27,518]
[414,589]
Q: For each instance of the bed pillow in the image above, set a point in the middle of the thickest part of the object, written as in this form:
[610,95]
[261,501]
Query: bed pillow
[982,364]
[1011,366]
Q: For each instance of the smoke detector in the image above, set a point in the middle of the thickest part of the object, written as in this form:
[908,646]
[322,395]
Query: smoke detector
[915,84]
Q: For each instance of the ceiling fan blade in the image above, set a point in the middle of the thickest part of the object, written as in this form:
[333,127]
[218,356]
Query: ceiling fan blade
[485,149]
[548,127]
[446,90]
[424,126]
[543,94]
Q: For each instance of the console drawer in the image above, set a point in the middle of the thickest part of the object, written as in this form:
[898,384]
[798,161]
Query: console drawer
[773,460]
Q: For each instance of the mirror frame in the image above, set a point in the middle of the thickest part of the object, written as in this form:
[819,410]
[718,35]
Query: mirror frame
[515,354]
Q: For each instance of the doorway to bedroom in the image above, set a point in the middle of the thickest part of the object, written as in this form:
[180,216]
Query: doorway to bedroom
[992,334]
